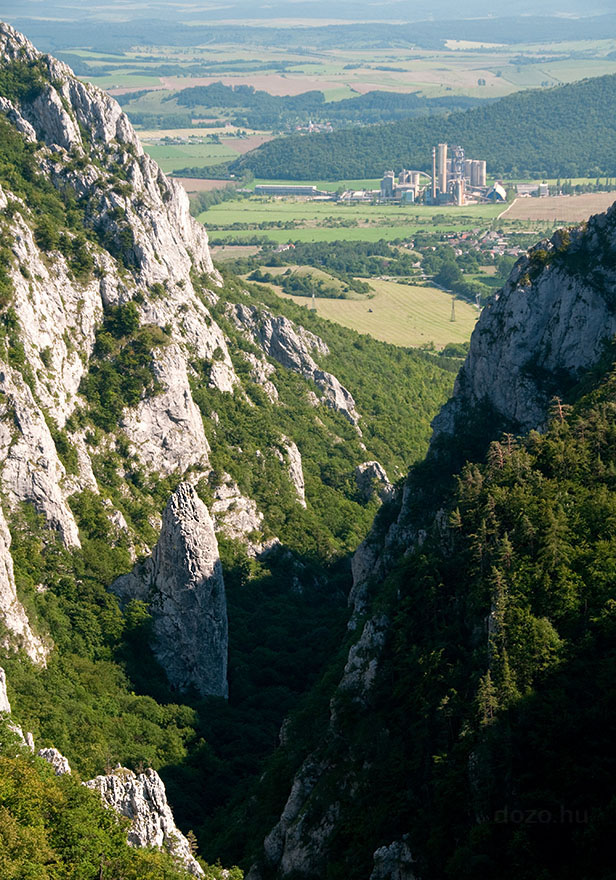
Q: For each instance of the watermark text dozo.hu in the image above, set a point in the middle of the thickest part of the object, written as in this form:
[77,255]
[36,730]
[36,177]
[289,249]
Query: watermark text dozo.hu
[560,816]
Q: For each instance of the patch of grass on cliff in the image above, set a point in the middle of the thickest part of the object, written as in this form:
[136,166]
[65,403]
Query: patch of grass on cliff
[23,81]
[120,371]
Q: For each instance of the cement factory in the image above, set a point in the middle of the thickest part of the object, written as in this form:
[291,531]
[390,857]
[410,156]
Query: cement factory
[455,180]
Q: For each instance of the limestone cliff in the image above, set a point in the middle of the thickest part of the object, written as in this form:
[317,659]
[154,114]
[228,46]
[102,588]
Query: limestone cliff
[142,798]
[126,239]
[291,345]
[183,585]
[548,325]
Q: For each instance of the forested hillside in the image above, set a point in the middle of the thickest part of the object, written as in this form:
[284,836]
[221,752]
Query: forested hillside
[258,109]
[485,741]
[565,131]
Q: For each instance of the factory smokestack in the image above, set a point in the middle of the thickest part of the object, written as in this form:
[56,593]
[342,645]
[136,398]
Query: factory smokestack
[442,168]
[434,175]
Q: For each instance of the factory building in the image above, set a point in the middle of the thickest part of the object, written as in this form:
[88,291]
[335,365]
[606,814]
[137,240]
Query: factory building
[404,189]
[284,190]
[388,185]
[454,179]
[455,175]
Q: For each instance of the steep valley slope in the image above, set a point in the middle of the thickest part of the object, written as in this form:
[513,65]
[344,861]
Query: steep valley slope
[186,465]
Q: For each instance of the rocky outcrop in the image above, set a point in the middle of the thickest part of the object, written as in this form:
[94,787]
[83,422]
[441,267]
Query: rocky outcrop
[233,514]
[5,706]
[394,862]
[29,464]
[363,661]
[56,759]
[166,428]
[535,339]
[13,615]
[166,241]
[371,479]
[290,455]
[291,345]
[183,584]
[261,372]
[142,799]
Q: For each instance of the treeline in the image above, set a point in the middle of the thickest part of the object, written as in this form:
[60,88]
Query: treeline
[567,131]
[341,258]
[308,285]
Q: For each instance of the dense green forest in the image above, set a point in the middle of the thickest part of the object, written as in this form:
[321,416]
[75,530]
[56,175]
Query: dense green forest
[566,131]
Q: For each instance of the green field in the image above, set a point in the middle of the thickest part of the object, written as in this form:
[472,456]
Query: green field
[302,220]
[401,314]
[172,157]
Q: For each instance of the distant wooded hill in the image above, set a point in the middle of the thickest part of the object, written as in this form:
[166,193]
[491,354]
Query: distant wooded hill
[259,109]
[566,131]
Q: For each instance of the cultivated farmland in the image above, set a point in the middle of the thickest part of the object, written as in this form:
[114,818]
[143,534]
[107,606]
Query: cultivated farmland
[560,209]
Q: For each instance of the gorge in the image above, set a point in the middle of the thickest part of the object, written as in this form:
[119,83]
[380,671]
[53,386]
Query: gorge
[197,476]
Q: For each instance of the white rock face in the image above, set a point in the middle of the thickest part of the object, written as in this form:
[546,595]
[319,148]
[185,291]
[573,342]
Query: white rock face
[142,799]
[303,786]
[290,345]
[293,460]
[261,372]
[13,615]
[233,513]
[166,428]
[5,706]
[29,463]
[184,586]
[57,319]
[56,759]
[363,662]
[371,478]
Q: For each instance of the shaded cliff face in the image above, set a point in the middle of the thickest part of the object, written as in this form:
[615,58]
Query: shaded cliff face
[183,584]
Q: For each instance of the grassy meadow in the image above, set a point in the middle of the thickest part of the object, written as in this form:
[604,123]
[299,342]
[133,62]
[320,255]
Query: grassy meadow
[403,314]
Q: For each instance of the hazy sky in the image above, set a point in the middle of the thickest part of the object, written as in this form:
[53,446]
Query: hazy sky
[300,10]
